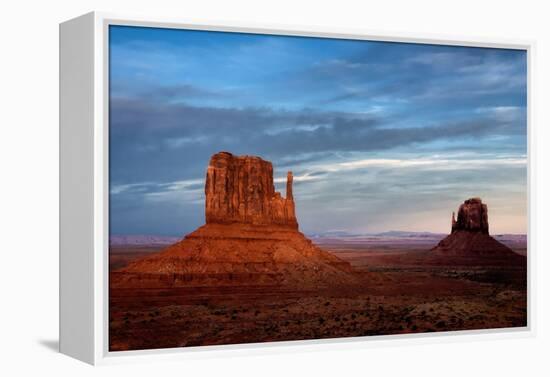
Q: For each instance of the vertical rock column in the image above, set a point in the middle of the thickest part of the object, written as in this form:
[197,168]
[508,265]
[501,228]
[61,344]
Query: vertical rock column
[240,189]
[290,213]
[289,180]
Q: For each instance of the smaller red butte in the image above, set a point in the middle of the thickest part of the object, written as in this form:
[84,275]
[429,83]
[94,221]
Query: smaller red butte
[472,216]
[470,235]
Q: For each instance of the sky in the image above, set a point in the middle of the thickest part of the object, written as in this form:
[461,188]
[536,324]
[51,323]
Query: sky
[379,135]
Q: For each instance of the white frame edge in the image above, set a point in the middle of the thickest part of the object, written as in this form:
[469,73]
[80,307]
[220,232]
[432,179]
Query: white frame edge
[76,190]
[84,214]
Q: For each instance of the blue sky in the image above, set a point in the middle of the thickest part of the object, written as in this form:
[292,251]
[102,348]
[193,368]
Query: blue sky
[380,136]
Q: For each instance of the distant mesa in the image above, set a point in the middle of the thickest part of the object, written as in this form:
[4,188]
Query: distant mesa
[140,240]
[250,237]
[470,234]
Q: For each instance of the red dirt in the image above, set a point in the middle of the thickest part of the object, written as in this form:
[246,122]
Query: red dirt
[396,293]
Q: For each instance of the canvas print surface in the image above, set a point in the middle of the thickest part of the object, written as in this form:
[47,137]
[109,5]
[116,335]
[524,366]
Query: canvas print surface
[268,188]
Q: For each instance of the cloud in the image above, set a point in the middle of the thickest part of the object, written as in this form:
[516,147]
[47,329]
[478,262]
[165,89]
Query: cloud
[174,141]
[435,163]
[303,131]
[180,92]
[376,133]
[179,142]
[186,188]
[411,195]
[418,75]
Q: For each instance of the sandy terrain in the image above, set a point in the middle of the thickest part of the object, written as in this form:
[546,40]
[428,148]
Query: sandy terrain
[400,291]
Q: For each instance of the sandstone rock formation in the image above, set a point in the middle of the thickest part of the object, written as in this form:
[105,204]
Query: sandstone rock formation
[470,234]
[240,190]
[250,237]
[472,216]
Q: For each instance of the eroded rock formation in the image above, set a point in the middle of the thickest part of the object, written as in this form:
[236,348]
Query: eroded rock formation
[239,189]
[470,234]
[472,216]
[250,237]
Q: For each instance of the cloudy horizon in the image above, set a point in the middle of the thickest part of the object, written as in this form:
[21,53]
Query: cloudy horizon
[379,135]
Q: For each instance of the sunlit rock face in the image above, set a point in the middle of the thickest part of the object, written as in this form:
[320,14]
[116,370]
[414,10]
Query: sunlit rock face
[251,237]
[240,189]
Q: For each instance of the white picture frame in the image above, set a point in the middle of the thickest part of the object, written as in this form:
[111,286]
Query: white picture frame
[84,176]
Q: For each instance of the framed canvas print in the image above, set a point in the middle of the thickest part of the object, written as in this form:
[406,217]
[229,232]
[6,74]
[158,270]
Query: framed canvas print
[225,187]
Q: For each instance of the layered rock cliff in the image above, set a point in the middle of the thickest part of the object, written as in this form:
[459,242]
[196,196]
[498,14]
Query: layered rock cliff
[470,234]
[250,237]
[239,189]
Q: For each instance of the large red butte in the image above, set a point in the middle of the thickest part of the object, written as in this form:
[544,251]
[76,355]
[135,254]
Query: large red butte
[251,237]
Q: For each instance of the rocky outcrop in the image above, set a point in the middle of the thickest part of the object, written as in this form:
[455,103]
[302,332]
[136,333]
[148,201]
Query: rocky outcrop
[239,189]
[236,255]
[250,237]
[472,217]
[470,235]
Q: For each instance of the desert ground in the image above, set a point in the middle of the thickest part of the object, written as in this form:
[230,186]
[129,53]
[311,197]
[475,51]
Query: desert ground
[400,289]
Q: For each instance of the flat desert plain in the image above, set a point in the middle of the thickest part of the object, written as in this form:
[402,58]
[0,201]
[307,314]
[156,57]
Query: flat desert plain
[401,288]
